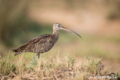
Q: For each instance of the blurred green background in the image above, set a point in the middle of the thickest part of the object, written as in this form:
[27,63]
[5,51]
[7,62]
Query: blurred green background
[97,21]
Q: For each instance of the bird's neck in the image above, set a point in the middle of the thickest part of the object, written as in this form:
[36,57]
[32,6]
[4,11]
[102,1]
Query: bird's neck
[55,33]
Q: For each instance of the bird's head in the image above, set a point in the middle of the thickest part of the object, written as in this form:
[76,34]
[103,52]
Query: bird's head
[58,26]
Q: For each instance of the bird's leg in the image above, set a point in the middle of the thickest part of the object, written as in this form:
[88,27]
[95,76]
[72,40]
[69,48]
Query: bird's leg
[35,57]
[38,55]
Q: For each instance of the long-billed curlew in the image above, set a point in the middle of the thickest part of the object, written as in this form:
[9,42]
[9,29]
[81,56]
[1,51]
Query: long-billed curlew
[42,43]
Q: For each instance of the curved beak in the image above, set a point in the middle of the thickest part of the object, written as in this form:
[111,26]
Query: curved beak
[70,31]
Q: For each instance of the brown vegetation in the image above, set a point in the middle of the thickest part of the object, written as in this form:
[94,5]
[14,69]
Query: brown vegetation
[65,67]
[98,22]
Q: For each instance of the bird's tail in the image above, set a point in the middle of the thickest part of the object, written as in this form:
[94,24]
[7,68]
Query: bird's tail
[16,52]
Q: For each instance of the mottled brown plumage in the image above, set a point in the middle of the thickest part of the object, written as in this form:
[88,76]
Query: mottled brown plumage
[42,43]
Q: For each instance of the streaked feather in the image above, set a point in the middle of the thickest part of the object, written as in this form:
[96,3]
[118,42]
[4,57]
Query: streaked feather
[40,44]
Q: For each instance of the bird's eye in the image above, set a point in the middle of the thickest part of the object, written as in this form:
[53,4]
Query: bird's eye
[58,25]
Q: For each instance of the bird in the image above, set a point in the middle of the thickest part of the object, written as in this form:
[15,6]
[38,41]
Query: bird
[42,43]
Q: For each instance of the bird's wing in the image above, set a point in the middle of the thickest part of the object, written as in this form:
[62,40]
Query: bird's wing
[35,44]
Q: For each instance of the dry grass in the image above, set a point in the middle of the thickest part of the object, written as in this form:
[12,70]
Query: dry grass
[61,67]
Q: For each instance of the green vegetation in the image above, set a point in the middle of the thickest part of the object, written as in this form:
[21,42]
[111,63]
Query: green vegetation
[18,25]
[58,67]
